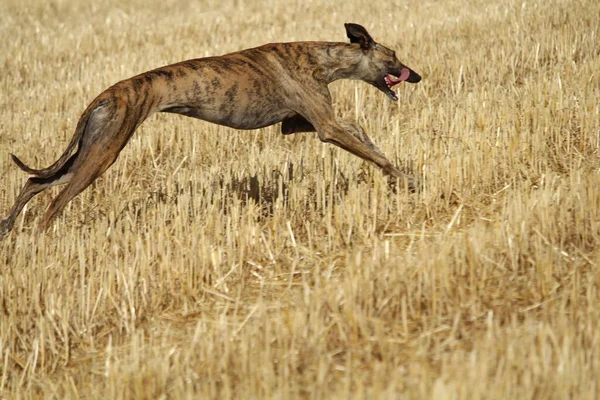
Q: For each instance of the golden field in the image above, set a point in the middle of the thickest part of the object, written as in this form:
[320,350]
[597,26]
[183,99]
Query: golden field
[215,263]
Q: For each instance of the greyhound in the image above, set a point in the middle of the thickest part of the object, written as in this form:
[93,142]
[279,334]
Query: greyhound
[249,89]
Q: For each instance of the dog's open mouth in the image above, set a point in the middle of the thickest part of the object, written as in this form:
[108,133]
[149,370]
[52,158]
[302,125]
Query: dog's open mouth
[391,80]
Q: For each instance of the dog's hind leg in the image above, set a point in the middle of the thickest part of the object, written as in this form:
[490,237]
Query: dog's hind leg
[81,178]
[95,156]
[32,187]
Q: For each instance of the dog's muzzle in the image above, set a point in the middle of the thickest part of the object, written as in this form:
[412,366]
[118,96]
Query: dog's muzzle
[406,75]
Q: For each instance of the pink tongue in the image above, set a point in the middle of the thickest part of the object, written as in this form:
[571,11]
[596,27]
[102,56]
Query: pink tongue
[404,74]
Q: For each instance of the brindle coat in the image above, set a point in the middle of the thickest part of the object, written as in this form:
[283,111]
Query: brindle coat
[250,89]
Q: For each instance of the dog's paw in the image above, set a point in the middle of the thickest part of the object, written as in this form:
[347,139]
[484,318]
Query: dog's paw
[405,182]
[5,227]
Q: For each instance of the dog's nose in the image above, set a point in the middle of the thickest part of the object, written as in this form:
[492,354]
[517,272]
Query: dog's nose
[413,77]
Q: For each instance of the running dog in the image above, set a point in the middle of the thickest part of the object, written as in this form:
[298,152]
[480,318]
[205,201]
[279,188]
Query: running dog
[249,89]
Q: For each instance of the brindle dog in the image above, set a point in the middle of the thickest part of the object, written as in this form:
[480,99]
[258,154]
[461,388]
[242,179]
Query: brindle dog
[250,89]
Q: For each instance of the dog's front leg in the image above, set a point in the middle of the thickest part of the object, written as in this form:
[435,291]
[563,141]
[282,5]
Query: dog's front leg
[358,132]
[296,124]
[351,137]
[314,106]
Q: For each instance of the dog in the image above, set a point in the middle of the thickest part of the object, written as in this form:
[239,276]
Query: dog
[249,89]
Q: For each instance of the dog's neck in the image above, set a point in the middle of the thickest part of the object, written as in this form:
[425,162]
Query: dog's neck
[340,61]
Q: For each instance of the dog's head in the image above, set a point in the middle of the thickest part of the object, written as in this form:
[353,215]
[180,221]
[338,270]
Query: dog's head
[379,66]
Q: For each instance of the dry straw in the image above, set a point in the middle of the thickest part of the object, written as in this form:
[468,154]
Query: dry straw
[213,263]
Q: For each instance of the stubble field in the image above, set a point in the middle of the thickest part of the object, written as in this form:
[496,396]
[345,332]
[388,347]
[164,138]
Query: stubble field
[214,263]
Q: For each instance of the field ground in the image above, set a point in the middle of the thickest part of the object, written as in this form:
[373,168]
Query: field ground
[213,263]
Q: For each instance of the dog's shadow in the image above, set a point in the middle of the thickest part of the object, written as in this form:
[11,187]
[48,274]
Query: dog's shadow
[264,188]
[268,188]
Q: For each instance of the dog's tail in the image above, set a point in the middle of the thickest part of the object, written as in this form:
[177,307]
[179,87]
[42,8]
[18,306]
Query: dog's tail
[54,168]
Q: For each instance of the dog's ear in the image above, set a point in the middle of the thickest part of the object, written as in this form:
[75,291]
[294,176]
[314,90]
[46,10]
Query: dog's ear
[358,34]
